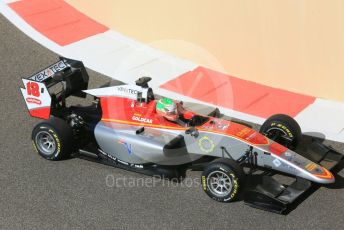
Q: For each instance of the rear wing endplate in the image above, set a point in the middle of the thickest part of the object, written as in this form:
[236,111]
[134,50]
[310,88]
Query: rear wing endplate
[40,95]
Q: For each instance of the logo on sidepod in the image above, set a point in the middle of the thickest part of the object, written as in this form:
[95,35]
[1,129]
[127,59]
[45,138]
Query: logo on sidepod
[206,144]
[127,146]
[142,119]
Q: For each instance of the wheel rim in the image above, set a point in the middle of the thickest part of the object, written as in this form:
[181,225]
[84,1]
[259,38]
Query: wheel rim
[280,136]
[220,184]
[45,142]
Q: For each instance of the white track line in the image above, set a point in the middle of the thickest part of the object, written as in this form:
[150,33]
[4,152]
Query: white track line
[27,29]
[325,117]
[125,59]
[9,1]
[112,54]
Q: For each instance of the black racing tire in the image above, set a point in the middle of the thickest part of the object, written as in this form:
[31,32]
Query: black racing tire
[233,177]
[53,139]
[283,129]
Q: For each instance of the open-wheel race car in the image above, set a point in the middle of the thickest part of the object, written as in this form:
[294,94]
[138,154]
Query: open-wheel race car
[127,126]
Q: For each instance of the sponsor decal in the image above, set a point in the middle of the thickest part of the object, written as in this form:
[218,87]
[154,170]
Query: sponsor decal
[58,142]
[32,100]
[299,161]
[108,155]
[136,166]
[276,162]
[122,162]
[235,186]
[48,72]
[222,126]
[243,132]
[204,183]
[311,166]
[206,144]
[289,157]
[283,127]
[119,161]
[126,90]
[142,119]
[127,146]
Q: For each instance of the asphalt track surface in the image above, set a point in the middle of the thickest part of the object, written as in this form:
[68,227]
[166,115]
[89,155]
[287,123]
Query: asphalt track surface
[79,194]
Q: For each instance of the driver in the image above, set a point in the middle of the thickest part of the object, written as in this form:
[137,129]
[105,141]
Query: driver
[171,110]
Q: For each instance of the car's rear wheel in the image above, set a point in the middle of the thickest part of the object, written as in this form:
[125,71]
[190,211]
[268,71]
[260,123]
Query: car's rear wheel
[53,139]
[222,180]
[283,129]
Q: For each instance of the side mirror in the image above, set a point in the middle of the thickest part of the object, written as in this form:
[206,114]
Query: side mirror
[192,131]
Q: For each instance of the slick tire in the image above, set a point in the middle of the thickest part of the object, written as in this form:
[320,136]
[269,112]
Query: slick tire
[282,129]
[53,139]
[223,179]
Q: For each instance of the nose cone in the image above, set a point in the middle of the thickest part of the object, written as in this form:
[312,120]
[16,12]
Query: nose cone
[298,165]
[307,168]
[323,175]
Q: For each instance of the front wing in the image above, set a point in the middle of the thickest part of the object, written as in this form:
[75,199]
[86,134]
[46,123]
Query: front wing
[267,193]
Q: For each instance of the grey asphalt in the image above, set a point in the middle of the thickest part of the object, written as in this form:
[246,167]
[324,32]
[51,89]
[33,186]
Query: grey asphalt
[78,194]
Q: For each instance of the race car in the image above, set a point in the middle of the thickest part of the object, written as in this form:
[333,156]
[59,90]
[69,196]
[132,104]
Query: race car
[130,127]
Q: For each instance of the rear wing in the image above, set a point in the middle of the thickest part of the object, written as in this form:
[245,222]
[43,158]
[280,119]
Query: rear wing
[44,92]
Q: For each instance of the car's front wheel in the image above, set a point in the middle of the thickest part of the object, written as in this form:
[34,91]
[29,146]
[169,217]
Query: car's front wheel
[53,139]
[222,180]
[282,129]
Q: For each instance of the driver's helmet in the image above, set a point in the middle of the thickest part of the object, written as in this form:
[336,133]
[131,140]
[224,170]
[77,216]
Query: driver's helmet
[167,108]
